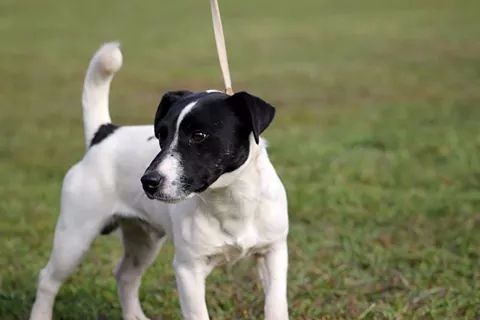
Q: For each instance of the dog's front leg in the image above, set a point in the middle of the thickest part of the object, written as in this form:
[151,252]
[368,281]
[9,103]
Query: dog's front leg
[190,278]
[274,275]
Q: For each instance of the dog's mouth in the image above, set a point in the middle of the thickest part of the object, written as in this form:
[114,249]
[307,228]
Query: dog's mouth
[164,198]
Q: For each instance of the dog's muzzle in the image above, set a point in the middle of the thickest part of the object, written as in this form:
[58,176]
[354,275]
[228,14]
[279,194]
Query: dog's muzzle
[153,183]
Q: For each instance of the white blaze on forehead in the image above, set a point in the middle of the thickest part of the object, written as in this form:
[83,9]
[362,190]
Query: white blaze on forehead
[180,118]
[171,165]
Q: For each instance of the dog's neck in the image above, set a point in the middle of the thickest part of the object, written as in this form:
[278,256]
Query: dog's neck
[233,199]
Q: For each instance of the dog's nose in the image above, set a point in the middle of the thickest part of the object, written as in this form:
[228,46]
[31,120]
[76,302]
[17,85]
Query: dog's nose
[151,181]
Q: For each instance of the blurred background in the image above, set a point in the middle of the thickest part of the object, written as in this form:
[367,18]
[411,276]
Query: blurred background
[376,138]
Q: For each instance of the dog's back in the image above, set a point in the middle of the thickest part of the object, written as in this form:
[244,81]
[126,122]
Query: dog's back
[115,155]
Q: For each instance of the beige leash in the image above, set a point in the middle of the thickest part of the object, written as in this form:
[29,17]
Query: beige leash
[221,49]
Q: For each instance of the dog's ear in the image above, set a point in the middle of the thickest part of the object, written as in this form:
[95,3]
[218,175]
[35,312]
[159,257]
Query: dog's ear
[258,113]
[167,101]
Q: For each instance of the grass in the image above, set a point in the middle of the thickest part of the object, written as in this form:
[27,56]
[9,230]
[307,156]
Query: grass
[377,140]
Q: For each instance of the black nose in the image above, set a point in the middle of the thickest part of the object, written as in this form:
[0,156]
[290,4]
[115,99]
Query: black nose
[151,181]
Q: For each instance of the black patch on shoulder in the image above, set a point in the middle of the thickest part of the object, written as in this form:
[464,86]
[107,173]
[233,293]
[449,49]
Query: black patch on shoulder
[103,132]
[110,226]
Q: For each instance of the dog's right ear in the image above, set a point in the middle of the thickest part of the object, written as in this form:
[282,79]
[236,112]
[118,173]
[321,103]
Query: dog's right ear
[168,100]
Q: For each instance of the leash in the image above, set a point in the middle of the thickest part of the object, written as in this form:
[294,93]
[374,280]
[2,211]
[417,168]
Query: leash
[221,49]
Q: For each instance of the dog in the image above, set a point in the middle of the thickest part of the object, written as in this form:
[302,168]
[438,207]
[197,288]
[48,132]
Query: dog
[210,188]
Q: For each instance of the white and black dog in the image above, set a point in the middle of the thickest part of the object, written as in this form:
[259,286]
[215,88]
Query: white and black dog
[220,197]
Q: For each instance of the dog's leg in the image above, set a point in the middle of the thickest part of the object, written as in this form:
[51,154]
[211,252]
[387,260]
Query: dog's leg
[141,246]
[68,250]
[262,272]
[273,271]
[71,242]
[191,288]
[79,223]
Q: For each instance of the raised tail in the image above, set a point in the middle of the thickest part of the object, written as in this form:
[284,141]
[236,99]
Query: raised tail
[106,61]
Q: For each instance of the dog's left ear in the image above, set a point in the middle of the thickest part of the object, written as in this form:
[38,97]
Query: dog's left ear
[257,112]
[167,101]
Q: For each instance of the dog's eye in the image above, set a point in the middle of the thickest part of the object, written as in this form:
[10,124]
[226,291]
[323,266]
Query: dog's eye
[198,136]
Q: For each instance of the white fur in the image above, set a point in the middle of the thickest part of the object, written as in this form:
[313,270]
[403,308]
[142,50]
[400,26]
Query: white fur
[243,213]
[170,167]
[106,61]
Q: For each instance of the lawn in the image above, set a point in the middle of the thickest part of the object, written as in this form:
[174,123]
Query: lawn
[377,138]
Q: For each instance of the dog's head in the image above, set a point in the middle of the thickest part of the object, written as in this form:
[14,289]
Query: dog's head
[202,137]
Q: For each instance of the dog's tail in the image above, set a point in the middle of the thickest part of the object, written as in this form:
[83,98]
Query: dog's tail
[106,61]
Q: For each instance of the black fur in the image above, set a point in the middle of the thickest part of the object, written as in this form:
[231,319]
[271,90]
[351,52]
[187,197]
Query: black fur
[110,226]
[168,100]
[225,149]
[260,113]
[103,132]
[227,122]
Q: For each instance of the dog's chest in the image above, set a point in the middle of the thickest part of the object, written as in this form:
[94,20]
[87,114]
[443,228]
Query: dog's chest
[228,224]
[231,247]
[225,240]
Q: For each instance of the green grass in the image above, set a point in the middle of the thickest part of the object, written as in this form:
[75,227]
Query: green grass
[377,140]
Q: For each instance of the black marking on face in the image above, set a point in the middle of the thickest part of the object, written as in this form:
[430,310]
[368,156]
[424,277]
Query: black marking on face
[150,138]
[103,132]
[169,99]
[212,138]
